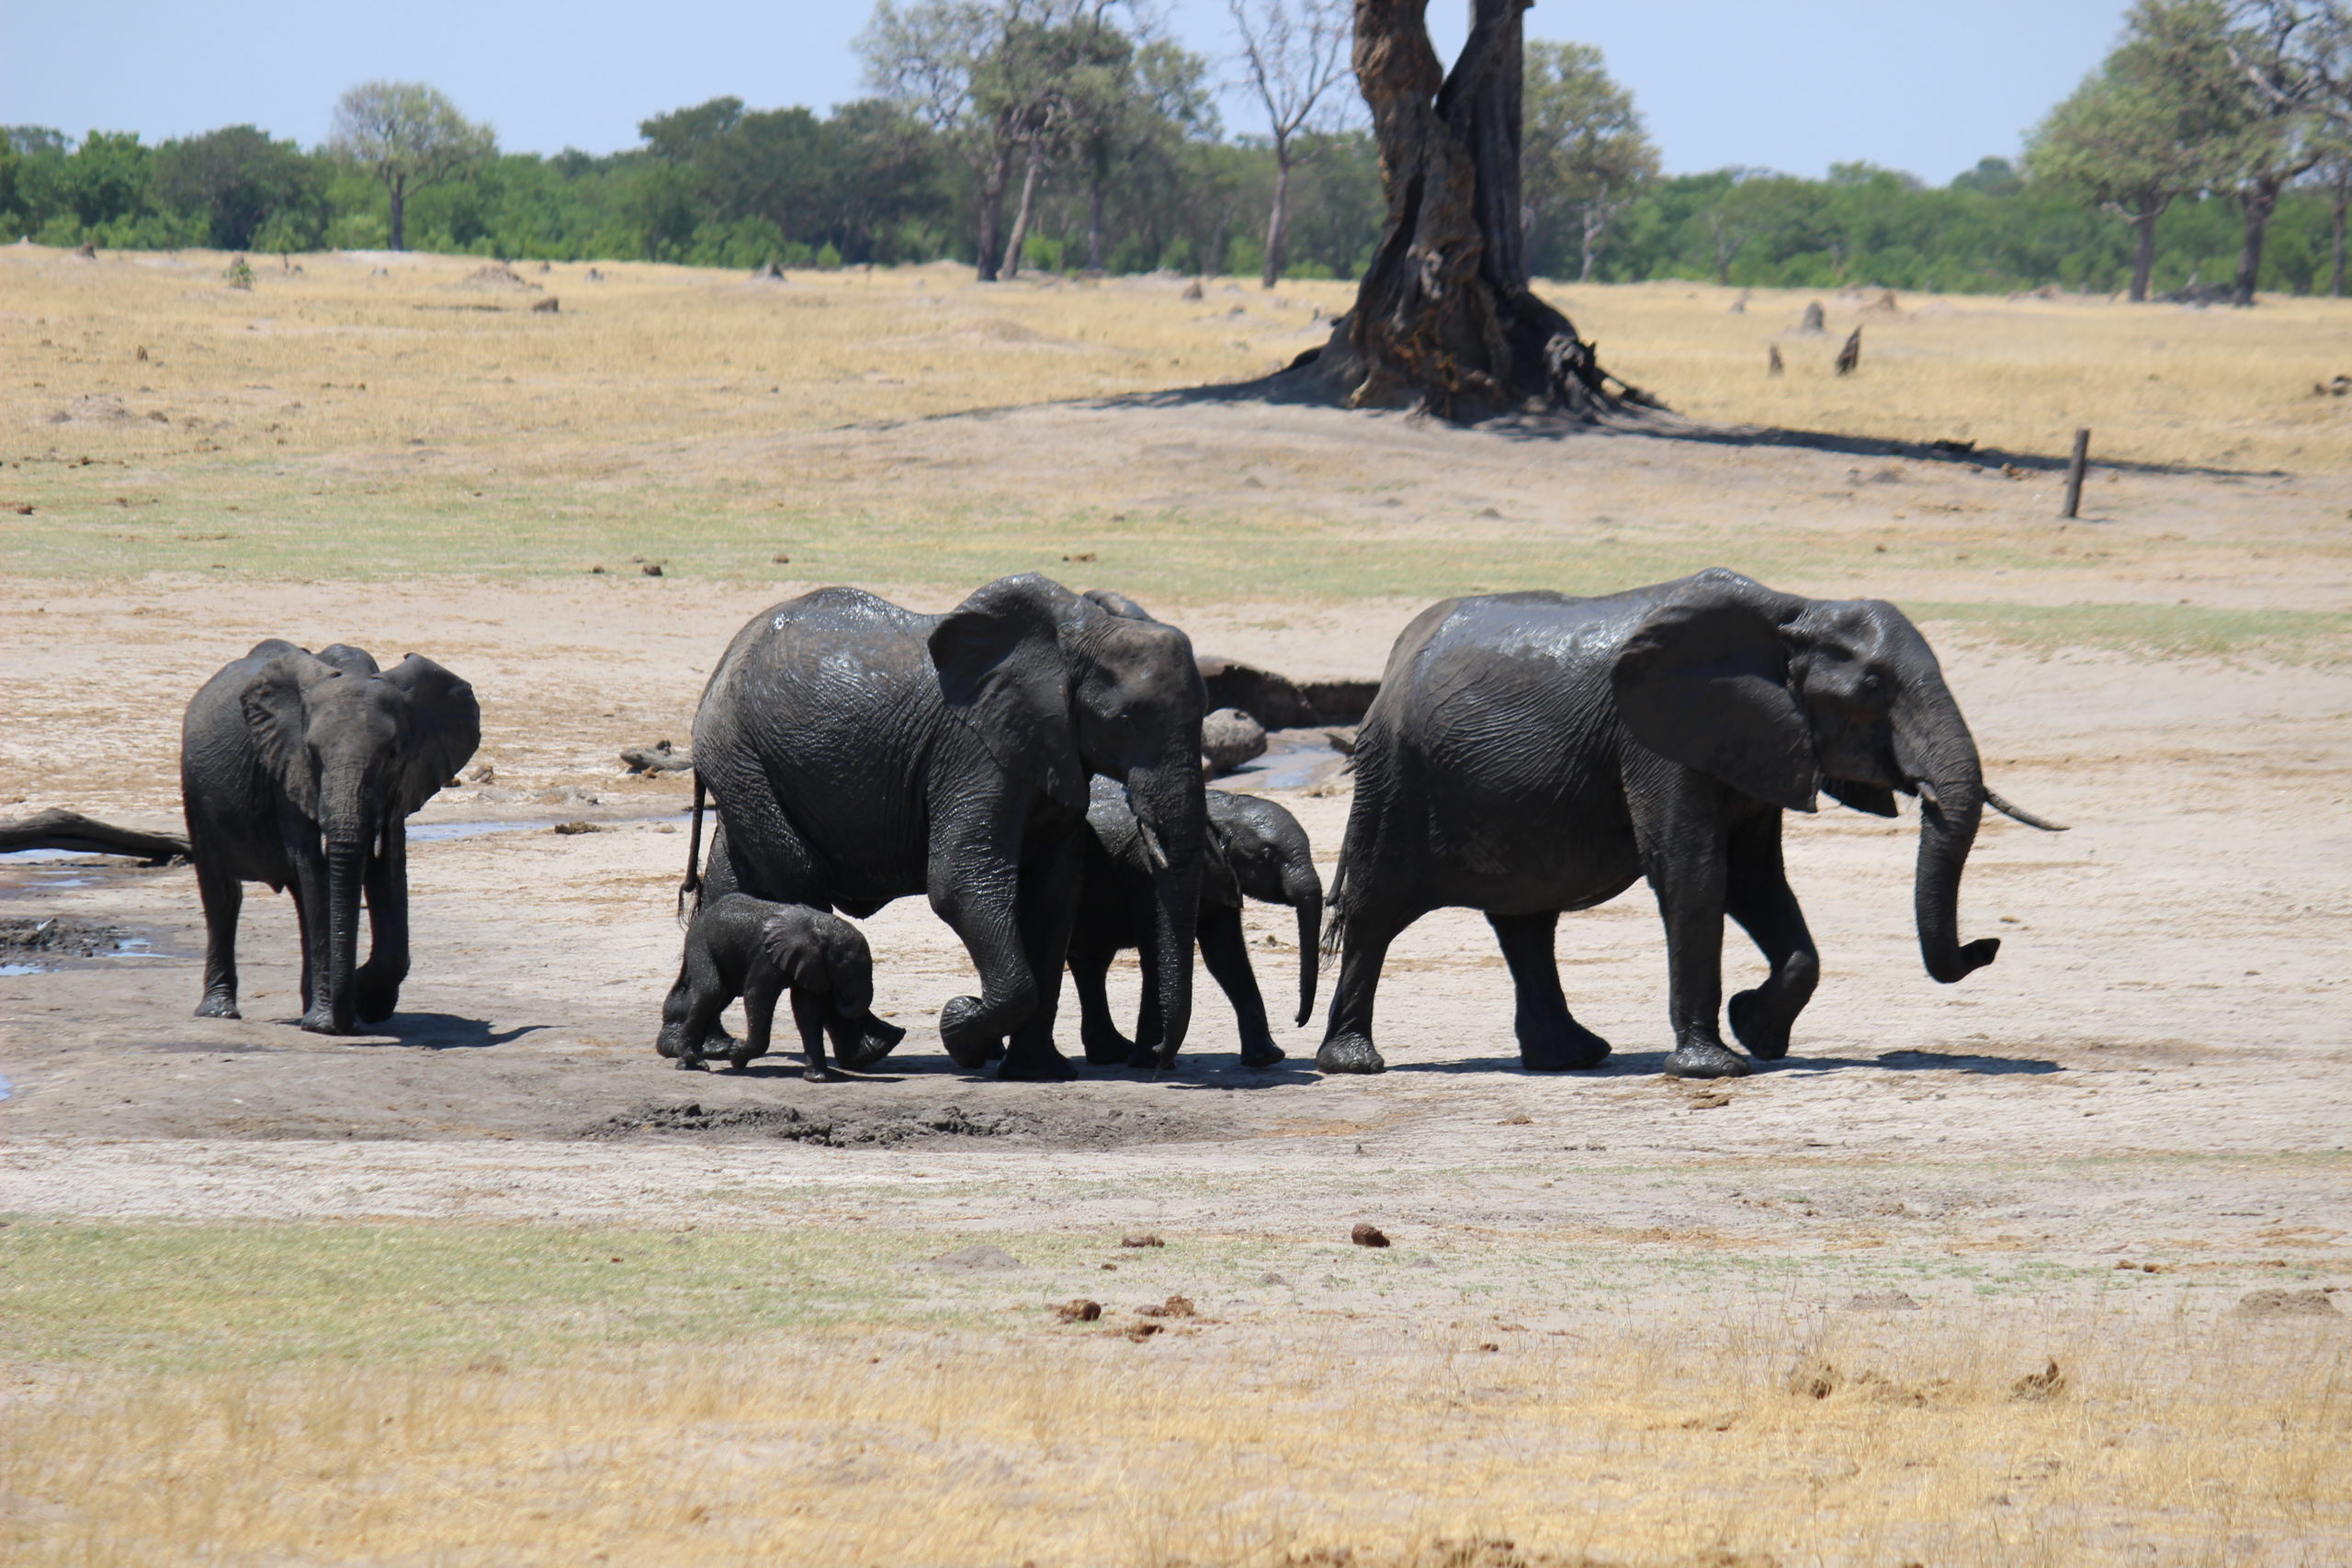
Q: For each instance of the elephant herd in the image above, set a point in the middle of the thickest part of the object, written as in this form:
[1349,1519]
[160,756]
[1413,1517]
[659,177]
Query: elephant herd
[1030,762]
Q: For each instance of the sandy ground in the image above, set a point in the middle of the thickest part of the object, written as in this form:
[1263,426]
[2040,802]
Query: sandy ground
[2158,1068]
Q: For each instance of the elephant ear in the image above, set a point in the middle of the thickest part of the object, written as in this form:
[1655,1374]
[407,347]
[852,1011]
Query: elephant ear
[1222,853]
[1119,604]
[1704,680]
[278,720]
[444,727]
[1876,799]
[1004,674]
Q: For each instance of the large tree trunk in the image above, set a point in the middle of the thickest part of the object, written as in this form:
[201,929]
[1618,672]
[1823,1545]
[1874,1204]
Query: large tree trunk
[2336,234]
[1444,319]
[397,188]
[2143,251]
[2261,199]
[998,175]
[1021,214]
[1278,221]
[1094,198]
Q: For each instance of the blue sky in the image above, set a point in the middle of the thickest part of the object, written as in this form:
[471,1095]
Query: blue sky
[1794,85]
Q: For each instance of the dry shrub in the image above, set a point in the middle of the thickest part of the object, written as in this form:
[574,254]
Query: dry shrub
[2165,1444]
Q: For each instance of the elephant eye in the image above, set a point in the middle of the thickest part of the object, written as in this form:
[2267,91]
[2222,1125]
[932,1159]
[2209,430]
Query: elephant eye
[1873,681]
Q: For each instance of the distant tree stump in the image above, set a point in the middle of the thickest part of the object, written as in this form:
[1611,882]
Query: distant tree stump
[1815,323]
[1851,355]
[1773,365]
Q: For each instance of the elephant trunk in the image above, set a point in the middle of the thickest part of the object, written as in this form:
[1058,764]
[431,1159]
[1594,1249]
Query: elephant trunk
[1309,900]
[346,864]
[1172,814]
[1938,759]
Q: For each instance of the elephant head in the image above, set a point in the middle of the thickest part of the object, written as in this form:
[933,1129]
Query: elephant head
[352,752]
[813,947]
[1057,687]
[1258,850]
[1781,697]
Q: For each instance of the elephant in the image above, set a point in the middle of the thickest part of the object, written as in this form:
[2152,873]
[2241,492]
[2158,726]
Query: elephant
[858,751]
[1256,849]
[747,947]
[1532,753]
[302,769]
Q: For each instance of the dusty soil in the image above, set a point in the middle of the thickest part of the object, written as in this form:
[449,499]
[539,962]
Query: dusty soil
[2159,1063]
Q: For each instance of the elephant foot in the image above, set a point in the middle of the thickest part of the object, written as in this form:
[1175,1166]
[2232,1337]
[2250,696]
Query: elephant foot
[374,1000]
[218,1004]
[966,1042]
[1349,1054]
[816,1075]
[1753,1024]
[317,1021]
[1038,1064]
[1261,1054]
[1149,1058]
[1705,1059]
[741,1057]
[689,1062]
[1571,1048]
[875,1039]
[1107,1048]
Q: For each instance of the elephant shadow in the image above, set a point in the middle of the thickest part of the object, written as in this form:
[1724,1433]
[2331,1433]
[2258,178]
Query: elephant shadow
[450,1031]
[1649,1064]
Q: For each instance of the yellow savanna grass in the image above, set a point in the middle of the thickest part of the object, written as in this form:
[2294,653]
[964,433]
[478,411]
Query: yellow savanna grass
[1841,1440]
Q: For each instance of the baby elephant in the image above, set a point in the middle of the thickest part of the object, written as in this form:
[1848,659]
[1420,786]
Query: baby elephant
[747,947]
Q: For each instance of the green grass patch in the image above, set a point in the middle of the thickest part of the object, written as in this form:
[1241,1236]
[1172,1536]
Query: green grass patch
[2172,631]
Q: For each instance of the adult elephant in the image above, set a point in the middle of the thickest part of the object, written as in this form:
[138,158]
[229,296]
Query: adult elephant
[859,751]
[302,769]
[1255,849]
[1533,753]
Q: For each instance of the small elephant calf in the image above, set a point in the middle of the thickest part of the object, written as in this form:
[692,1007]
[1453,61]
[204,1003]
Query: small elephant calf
[747,947]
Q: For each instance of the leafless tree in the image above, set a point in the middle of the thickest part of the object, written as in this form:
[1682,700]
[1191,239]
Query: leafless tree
[1295,53]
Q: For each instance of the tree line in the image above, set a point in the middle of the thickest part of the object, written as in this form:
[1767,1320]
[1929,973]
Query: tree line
[2210,153]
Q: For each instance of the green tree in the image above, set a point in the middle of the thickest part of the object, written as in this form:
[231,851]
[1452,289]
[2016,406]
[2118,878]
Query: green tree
[1586,157]
[409,136]
[239,179]
[2160,119]
[1294,54]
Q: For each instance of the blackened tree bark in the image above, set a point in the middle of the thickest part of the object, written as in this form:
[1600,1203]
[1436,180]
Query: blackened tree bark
[1444,319]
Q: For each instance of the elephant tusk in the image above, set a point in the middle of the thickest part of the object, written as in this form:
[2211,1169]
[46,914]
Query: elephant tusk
[1151,850]
[2018,814]
[1927,792]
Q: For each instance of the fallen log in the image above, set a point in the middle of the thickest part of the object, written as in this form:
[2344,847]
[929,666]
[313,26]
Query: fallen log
[77,834]
[658,757]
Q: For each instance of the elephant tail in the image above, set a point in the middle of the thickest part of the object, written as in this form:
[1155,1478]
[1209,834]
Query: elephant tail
[1335,918]
[693,883]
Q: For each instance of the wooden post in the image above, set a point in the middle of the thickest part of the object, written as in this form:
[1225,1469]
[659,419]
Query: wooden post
[2075,472]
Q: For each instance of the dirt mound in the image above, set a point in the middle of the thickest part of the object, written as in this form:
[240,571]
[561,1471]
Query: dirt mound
[2288,1303]
[497,276]
[889,1126]
[98,408]
[61,937]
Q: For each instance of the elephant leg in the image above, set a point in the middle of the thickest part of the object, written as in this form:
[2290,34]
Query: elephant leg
[376,987]
[708,994]
[1225,949]
[313,912]
[808,1010]
[224,896]
[1684,851]
[1347,1037]
[759,996]
[1757,895]
[862,1043]
[1550,1039]
[975,886]
[1097,1031]
[1049,907]
[1151,1027]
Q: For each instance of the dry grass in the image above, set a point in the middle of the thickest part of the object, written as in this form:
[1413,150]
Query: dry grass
[337,424]
[1781,1440]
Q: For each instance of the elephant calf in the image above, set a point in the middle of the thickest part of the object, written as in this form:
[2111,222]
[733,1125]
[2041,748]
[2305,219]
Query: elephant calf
[301,769]
[1254,848]
[747,947]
